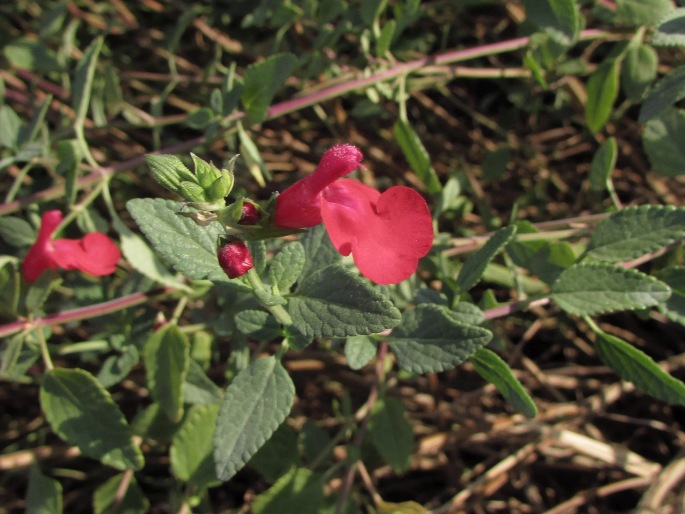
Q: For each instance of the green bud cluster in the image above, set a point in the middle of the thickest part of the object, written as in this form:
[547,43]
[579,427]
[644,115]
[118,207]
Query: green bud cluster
[209,185]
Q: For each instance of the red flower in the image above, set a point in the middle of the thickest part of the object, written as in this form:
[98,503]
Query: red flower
[386,233]
[94,253]
[249,215]
[235,258]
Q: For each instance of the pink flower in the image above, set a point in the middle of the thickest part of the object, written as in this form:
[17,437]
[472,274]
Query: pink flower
[386,233]
[94,253]
[235,258]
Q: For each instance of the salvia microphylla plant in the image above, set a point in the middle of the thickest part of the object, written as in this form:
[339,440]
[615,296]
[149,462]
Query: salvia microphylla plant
[373,274]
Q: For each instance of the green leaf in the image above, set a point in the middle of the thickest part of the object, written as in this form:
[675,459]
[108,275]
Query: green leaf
[31,131]
[255,404]
[189,248]
[10,127]
[674,307]
[602,90]
[117,367]
[139,255]
[664,142]
[278,455]
[466,313]
[636,231]
[252,157]
[83,413]
[371,10]
[200,118]
[191,449]
[258,325]
[492,368]
[586,290]
[637,367]
[333,302]
[44,494]
[416,156]
[385,38]
[430,339]
[559,19]
[319,251]
[83,80]
[603,164]
[69,154]
[287,266]
[642,12]
[262,81]
[669,90]
[391,433]
[199,388]
[17,231]
[299,491]
[359,350]
[473,268]
[166,355]
[31,54]
[106,498]
[638,71]
[671,29]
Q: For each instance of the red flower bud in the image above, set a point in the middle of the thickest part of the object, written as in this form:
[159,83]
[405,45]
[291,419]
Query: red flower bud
[235,258]
[250,214]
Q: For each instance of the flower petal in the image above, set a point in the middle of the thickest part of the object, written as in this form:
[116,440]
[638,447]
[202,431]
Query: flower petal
[386,233]
[95,253]
[40,257]
[300,205]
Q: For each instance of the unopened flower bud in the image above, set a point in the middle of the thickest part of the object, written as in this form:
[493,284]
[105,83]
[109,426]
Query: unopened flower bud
[235,258]
[250,214]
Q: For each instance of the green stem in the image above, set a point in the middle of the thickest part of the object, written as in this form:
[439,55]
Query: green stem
[81,206]
[44,351]
[265,298]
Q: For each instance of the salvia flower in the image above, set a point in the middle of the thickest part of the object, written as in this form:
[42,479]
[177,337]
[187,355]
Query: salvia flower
[235,258]
[94,253]
[386,233]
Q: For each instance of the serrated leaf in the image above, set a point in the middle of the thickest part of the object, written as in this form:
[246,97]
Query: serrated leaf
[416,156]
[602,90]
[638,71]
[430,339]
[669,90]
[258,325]
[391,433]
[262,81]
[671,29]
[169,171]
[17,231]
[333,302]
[636,231]
[359,350]
[200,118]
[664,142]
[255,404]
[190,248]
[467,313]
[319,251]
[287,266]
[637,367]
[278,455]
[603,163]
[586,290]
[674,307]
[642,12]
[166,355]
[83,80]
[492,368]
[83,413]
[117,367]
[474,266]
[106,498]
[44,494]
[559,19]
[191,451]
[298,491]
